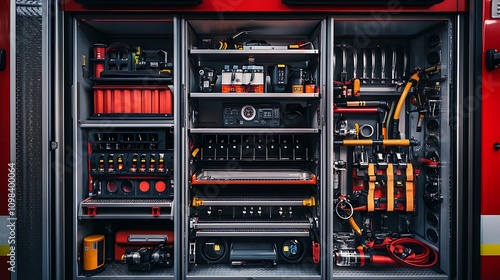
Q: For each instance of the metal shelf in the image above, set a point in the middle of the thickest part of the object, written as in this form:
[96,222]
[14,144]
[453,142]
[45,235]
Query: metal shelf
[270,55]
[253,200]
[106,123]
[253,225]
[253,233]
[254,176]
[262,130]
[253,95]
[125,209]
[249,51]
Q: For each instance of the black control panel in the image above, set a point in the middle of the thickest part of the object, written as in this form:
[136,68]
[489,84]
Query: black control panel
[251,115]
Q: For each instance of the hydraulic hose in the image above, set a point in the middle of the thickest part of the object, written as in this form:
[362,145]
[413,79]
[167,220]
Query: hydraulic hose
[411,252]
[395,124]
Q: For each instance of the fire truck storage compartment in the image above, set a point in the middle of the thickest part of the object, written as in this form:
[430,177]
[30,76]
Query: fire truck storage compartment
[125,67]
[254,189]
[392,80]
[123,115]
[309,145]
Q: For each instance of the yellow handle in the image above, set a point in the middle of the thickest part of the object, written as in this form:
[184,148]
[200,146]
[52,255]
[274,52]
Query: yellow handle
[197,202]
[369,142]
[354,226]
[309,202]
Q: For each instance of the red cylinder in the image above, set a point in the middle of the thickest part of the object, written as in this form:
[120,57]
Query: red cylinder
[99,67]
[99,51]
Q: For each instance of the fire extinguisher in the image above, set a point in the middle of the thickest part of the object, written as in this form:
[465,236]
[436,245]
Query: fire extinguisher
[402,251]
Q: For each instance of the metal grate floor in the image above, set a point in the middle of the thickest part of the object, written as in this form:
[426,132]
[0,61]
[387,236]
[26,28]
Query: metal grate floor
[280,271]
[385,272]
[120,271]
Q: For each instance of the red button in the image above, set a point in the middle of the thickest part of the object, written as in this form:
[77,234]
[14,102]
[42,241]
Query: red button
[160,186]
[112,186]
[144,186]
[127,186]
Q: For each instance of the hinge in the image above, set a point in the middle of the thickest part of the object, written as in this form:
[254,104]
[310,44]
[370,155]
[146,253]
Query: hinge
[54,145]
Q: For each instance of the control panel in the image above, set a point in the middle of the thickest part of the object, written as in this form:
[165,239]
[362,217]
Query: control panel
[251,115]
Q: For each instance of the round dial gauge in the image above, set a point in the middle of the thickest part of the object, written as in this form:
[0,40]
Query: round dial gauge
[248,112]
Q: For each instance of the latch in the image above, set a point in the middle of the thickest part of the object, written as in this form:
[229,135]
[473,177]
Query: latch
[91,211]
[309,202]
[492,59]
[192,252]
[3,60]
[155,211]
[53,144]
[316,252]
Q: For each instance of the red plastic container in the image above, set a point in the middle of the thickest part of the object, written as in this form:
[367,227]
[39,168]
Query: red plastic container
[132,99]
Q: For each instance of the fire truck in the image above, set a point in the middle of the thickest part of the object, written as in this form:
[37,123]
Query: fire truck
[278,139]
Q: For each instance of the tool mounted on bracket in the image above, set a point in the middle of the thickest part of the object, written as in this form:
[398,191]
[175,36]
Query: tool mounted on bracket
[279,77]
[419,79]
[426,86]
[230,42]
[351,88]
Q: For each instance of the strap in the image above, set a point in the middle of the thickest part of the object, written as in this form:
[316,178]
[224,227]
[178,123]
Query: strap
[409,188]
[390,187]
[371,187]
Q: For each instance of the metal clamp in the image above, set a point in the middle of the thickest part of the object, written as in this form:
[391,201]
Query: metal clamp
[340,208]
[366,131]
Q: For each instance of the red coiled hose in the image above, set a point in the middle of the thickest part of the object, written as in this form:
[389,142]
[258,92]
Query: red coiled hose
[407,252]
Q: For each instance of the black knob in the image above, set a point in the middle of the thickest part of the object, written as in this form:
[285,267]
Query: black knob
[496,146]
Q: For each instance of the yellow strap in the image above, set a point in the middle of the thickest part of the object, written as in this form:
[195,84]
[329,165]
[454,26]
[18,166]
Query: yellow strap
[409,188]
[371,188]
[390,187]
